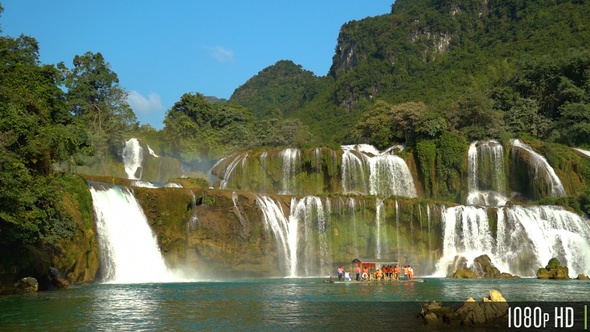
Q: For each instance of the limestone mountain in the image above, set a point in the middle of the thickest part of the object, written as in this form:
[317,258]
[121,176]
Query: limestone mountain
[430,51]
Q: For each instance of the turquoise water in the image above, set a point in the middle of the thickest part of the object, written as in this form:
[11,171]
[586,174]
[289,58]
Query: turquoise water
[259,304]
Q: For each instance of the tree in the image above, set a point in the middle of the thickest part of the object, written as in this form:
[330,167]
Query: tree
[201,130]
[574,124]
[96,99]
[383,123]
[36,133]
[523,117]
[477,119]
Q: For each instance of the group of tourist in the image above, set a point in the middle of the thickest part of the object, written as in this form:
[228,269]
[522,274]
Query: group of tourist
[384,273]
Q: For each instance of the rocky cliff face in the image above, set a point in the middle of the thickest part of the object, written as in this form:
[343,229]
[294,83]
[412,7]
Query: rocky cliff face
[227,232]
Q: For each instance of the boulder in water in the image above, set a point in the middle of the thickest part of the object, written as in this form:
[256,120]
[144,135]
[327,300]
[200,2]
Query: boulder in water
[464,274]
[26,285]
[553,270]
[491,310]
[482,268]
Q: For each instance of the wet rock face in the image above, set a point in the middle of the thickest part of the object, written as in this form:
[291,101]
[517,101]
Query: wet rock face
[490,311]
[482,268]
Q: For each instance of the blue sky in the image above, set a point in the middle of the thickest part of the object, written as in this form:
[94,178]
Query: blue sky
[163,49]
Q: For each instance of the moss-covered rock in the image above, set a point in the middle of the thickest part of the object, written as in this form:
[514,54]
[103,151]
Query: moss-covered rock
[464,274]
[553,270]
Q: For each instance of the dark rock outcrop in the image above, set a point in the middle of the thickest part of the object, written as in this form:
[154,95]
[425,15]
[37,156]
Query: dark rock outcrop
[490,311]
[26,285]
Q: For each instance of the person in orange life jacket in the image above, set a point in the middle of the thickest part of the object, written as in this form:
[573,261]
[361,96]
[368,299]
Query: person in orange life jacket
[365,273]
[396,272]
[405,271]
[411,272]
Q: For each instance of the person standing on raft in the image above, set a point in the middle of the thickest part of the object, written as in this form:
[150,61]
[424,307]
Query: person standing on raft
[340,273]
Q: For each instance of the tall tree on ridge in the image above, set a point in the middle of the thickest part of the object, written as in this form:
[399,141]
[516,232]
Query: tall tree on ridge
[96,98]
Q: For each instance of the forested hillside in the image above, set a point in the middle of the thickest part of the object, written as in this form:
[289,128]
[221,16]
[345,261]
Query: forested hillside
[480,67]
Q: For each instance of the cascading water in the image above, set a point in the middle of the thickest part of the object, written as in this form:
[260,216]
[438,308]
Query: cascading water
[487,181]
[132,159]
[379,220]
[355,177]
[129,250]
[388,174]
[301,236]
[229,170]
[285,231]
[542,170]
[290,161]
[586,153]
[526,238]
[309,211]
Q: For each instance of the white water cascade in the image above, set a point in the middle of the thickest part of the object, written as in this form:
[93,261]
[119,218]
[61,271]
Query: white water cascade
[132,159]
[129,250]
[388,174]
[586,153]
[542,170]
[285,231]
[229,170]
[290,161]
[487,181]
[526,239]
[300,236]
[379,220]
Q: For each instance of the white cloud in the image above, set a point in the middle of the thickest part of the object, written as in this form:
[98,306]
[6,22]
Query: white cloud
[220,53]
[143,105]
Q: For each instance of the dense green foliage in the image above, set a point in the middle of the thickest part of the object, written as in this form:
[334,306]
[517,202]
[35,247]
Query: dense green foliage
[278,90]
[96,99]
[37,131]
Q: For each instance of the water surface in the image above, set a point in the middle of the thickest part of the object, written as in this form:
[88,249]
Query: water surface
[259,304]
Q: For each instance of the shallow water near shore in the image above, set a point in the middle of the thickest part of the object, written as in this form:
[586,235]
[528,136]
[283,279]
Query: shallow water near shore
[260,304]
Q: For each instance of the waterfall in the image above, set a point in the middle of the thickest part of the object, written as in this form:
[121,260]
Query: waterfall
[285,231]
[525,238]
[151,152]
[379,220]
[397,234]
[129,249]
[290,161]
[354,171]
[238,210]
[533,235]
[301,237]
[486,178]
[351,205]
[309,211]
[228,174]
[542,170]
[132,158]
[388,174]
[586,153]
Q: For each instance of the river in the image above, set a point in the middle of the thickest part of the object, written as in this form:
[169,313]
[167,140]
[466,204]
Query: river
[261,304]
